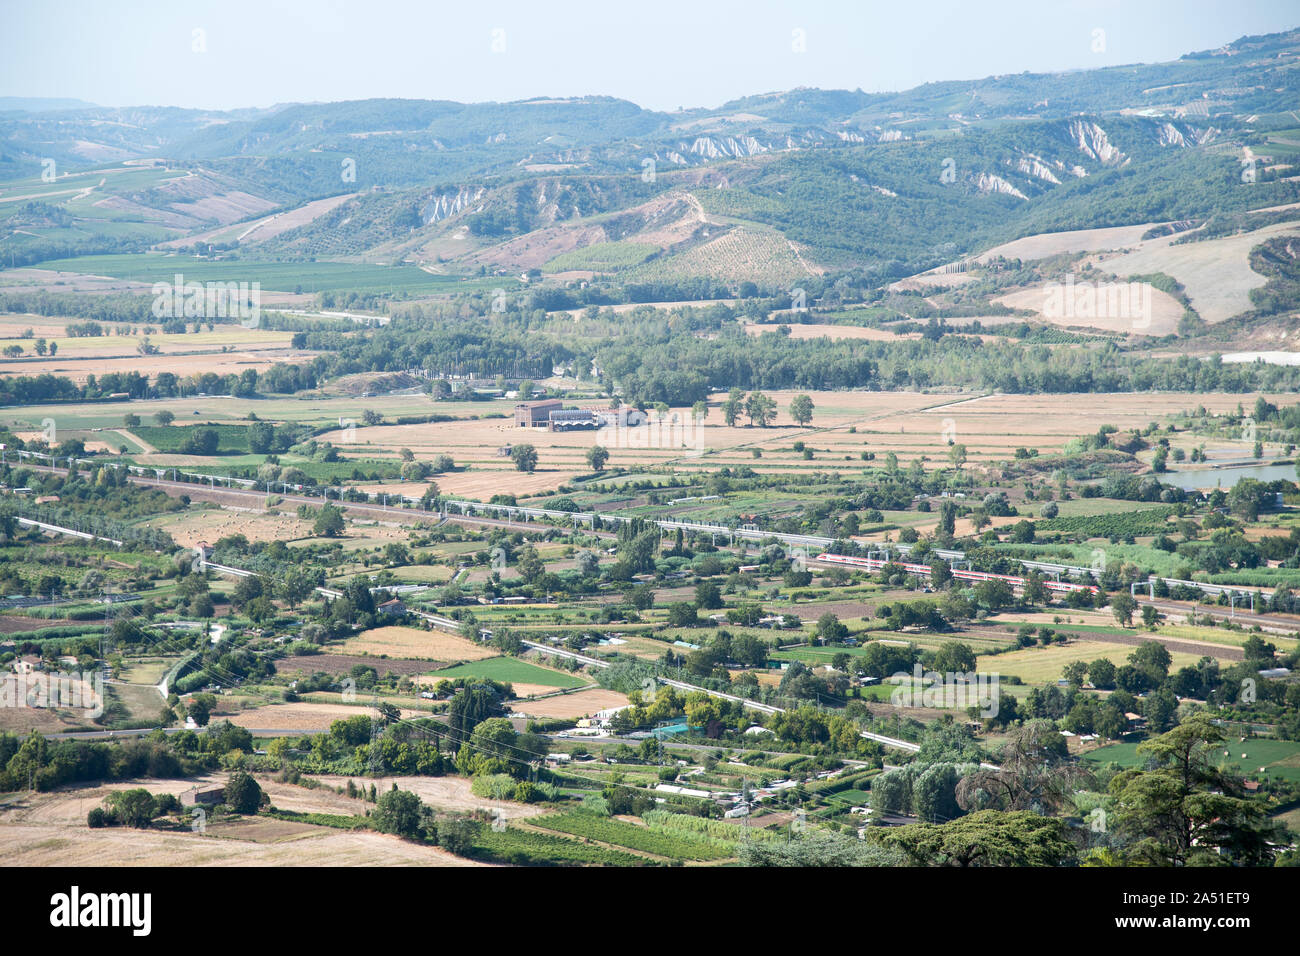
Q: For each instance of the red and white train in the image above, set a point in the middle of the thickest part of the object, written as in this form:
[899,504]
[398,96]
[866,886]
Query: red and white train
[875,564]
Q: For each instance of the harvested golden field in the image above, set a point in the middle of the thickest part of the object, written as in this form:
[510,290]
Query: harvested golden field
[341,664]
[1048,244]
[49,829]
[14,324]
[932,281]
[1041,665]
[485,481]
[523,690]
[69,805]
[225,349]
[265,830]
[304,716]
[23,720]
[78,845]
[993,426]
[811,330]
[581,703]
[1216,273]
[443,793]
[1140,309]
[476,443]
[215,361]
[966,526]
[909,423]
[190,527]
[412,642]
[1041,618]
[232,337]
[1042,246]
[366,533]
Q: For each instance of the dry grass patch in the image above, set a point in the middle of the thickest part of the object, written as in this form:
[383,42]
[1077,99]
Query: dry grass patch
[1043,665]
[1216,273]
[191,526]
[303,716]
[411,642]
[583,703]
[443,793]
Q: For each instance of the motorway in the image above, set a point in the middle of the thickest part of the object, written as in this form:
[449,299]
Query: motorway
[751,704]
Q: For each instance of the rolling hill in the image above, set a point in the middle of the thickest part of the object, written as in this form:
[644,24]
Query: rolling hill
[768,189]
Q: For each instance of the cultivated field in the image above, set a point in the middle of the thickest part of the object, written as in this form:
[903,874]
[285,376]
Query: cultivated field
[304,716]
[413,643]
[845,425]
[1049,244]
[54,278]
[49,829]
[189,527]
[800,330]
[265,228]
[1216,273]
[993,426]
[741,254]
[1147,312]
[23,719]
[442,793]
[216,362]
[513,671]
[583,703]
[1043,665]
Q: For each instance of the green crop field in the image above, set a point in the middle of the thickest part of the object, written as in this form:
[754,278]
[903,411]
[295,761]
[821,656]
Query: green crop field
[1145,557]
[1253,759]
[1290,819]
[604,256]
[1118,524]
[850,798]
[530,848]
[1125,755]
[1260,757]
[230,438]
[816,655]
[1211,635]
[674,844]
[347,469]
[512,671]
[1080,507]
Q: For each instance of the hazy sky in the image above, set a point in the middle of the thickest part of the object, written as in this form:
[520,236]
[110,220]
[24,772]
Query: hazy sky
[661,54]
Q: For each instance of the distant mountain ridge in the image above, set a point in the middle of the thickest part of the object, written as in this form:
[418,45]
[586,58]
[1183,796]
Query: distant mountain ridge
[764,188]
[43,104]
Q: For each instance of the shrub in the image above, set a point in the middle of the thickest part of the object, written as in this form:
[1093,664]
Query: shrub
[495,786]
[525,792]
[243,795]
[458,834]
[398,812]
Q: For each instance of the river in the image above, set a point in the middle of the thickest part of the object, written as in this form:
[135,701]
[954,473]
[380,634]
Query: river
[1225,478]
